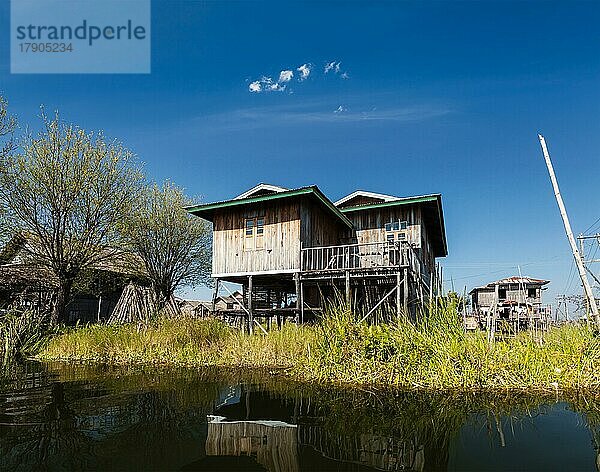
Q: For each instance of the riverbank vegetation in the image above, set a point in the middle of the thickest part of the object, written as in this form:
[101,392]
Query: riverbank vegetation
[22,333]
[434,353]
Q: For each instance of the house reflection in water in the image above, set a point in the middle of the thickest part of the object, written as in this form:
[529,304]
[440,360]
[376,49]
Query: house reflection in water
[307,445]
[273,444]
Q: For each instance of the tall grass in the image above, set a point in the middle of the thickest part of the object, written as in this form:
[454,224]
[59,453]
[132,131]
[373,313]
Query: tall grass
[21,333]
[436,353]
[181,342]
[432,353]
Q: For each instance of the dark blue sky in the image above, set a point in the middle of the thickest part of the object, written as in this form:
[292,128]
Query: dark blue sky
[439,97]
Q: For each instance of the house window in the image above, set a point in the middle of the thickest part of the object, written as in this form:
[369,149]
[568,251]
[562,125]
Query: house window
[254,233]
[250,227]
[531,292]
[396,231]
[260,230]
[502,294]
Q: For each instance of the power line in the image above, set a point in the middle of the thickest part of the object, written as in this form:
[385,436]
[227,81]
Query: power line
[592,225]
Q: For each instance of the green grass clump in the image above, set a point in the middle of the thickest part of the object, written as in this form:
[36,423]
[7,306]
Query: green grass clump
[21,333]
[433,353]
[436,353]
[180,342]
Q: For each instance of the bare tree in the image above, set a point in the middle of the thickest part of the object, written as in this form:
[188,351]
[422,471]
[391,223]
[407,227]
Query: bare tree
[8,125]
[173,245]
[68,191]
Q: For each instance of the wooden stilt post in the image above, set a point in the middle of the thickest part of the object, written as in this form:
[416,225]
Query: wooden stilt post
[298,297]
[269,317]
[348,299]
[431,282]
[215,295]
[301,302]
[563,213]
[278,316]
[494,313]
[398,300]
[405,292]
[99,307]
[250,308]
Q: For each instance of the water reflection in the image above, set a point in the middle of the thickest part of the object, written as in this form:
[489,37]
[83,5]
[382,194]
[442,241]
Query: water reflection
[62,417]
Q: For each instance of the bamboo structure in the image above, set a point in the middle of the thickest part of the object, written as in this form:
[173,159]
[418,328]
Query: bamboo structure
[135,305]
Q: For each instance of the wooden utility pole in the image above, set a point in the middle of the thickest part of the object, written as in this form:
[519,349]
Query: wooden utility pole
[563,213]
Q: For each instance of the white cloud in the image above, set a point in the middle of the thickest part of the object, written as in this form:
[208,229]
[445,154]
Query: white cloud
[314,113]
[332,66]
[335,67]
[305,70]
[255,87]
[285,76]
[276,87]
[268,84]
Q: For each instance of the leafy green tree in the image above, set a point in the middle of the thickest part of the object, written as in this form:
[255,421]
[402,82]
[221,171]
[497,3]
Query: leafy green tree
[174,246]
[68,191]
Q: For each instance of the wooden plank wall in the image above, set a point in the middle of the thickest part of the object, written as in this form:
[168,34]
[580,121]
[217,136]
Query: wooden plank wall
[281,239]
[370,224]
[370,227]
[485,298]
[320,227]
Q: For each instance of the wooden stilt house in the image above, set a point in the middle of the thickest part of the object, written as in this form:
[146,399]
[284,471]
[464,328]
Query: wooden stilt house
[513,301]
[291,249]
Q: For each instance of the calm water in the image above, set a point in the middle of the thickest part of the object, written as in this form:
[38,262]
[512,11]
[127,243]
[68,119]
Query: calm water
[64,417]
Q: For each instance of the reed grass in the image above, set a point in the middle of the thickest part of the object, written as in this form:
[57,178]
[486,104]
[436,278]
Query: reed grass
[185,342]
[433,353]
[22,332]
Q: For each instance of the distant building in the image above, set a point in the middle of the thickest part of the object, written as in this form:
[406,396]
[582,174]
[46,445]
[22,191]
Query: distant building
[235,301]
[514,298]
[94,296]
[194,308]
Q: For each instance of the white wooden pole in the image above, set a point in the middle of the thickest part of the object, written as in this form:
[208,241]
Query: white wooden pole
[563,213]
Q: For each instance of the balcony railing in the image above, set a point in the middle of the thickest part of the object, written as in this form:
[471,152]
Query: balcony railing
[375,255]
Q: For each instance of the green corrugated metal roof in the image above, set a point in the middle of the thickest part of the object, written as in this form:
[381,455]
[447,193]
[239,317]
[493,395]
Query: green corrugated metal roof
[400,201]
[206,210]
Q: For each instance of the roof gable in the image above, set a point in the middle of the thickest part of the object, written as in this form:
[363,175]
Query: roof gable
[207,211]
[360,197]
[261,189]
